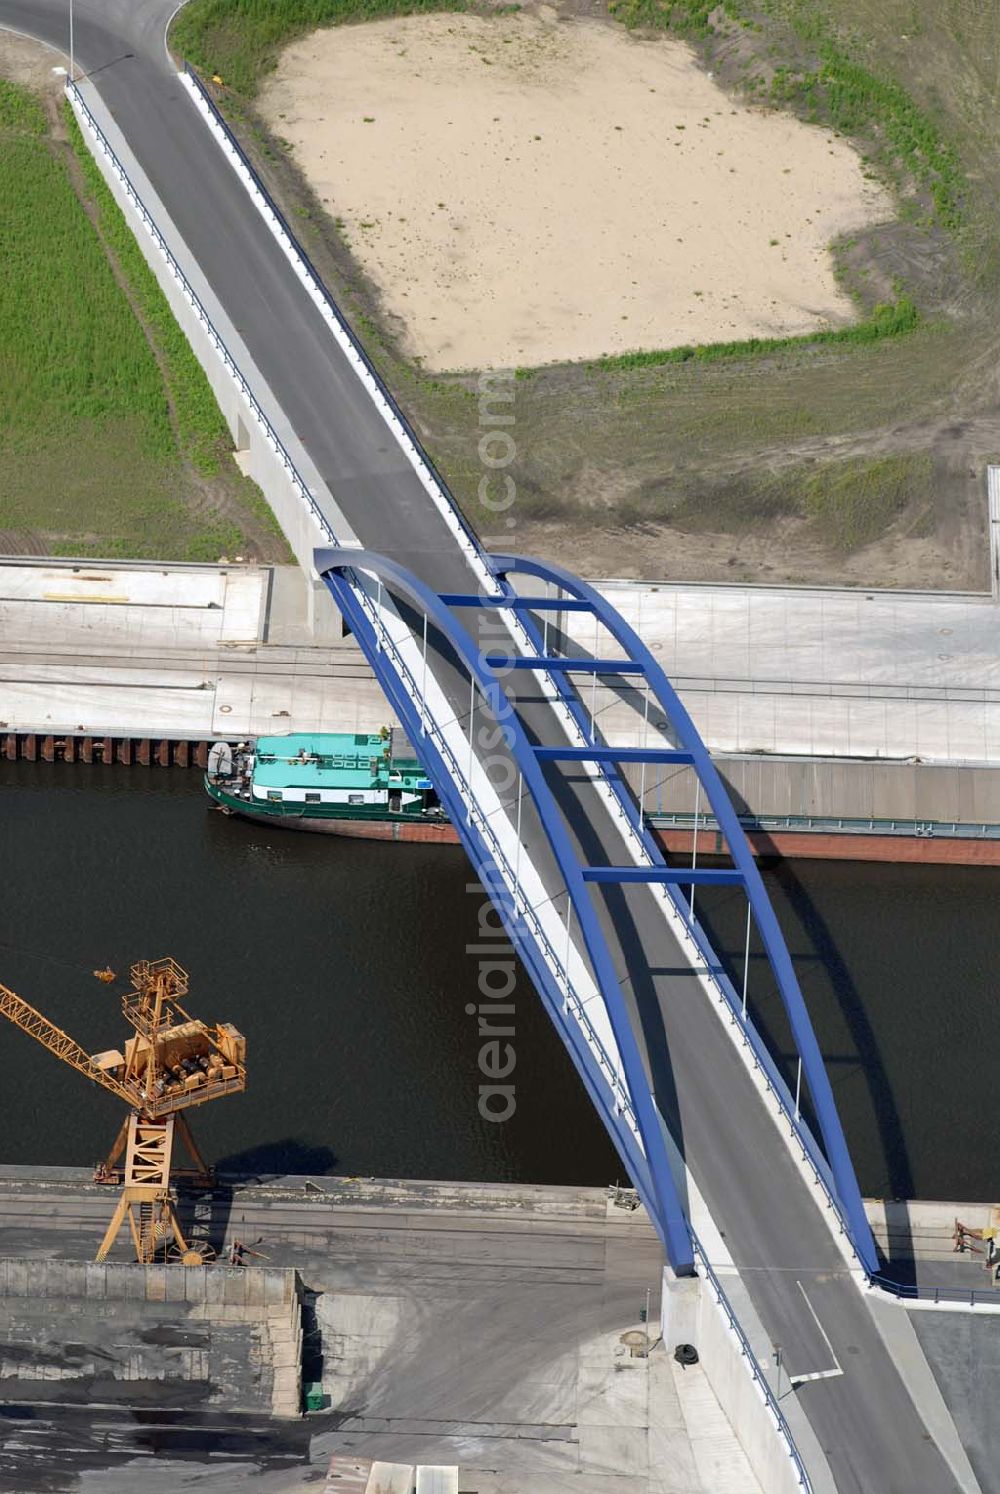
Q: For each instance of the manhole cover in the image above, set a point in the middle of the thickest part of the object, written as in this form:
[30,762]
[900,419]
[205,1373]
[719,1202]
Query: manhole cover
[637,1343]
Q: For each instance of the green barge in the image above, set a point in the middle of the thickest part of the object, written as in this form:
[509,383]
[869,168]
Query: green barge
[370,786]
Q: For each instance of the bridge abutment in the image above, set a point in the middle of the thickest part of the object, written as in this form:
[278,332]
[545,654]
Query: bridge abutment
[691,1313]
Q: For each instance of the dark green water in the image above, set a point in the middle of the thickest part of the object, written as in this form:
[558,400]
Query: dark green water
[898,968]
[346,966]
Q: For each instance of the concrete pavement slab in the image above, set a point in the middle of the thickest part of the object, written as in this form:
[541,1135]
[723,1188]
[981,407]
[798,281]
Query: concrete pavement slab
[964,1353]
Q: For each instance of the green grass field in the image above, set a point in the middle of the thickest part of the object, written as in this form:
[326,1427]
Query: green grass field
[240,39]
[110,442]
[874,439]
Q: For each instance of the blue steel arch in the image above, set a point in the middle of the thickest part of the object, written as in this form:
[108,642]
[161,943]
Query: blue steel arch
[651,1172]
[650,1169]
[848,1193]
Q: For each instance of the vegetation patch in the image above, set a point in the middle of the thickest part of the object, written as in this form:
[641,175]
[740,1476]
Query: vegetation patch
[20,110]
[201,427]
[111,441]
[692,18]
[851,503]
[239,40]
[70,348]
[888,319]
[854,502]
[857,102]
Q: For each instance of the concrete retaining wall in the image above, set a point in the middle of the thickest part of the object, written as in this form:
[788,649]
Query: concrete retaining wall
[691,1315]
[251,1289]
[249,1332]
[216,344]
[839,788]
[923,1229]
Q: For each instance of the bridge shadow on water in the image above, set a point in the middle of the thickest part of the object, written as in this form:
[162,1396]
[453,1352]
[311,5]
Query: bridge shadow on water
[815,952]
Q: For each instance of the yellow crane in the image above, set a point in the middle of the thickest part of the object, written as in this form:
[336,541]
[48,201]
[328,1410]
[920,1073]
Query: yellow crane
[171,1063]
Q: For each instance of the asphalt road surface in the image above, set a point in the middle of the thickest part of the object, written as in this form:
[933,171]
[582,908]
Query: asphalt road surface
[873,1436]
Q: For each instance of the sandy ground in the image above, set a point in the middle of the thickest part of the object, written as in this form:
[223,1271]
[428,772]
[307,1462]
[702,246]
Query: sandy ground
[526,190]
[25,61]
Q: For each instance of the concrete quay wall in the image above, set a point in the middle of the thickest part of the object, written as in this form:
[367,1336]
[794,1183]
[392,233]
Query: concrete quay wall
[545,1392]
[838,808]
[924,1229]
[821,672]
[794,788]
[230,1336]
[116,654]
[133,663]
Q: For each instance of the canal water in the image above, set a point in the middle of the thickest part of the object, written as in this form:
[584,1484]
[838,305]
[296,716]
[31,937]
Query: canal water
[346,965]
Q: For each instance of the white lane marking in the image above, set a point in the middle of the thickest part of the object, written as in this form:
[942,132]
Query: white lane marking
[166,32]
[827,1374]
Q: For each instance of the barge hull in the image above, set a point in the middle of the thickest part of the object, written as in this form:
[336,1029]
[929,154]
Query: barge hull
[396,830]
[927,850]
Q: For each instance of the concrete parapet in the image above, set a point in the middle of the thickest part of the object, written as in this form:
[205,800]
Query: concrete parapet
[156,1283]
[254,1294]
[72,1280]
[234,1287]
[272,1290]
[16,1284]
[174,1285]
[214,1284]
[919,1229]
[134,1283]
[690,1315]
[276,1292]
[38,1279]
[247,1316]
[195,1290]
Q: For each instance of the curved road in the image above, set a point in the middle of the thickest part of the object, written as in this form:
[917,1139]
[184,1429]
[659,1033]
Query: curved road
[870,1430]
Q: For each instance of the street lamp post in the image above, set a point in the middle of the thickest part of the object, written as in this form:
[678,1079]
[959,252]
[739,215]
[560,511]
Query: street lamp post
[72,67]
